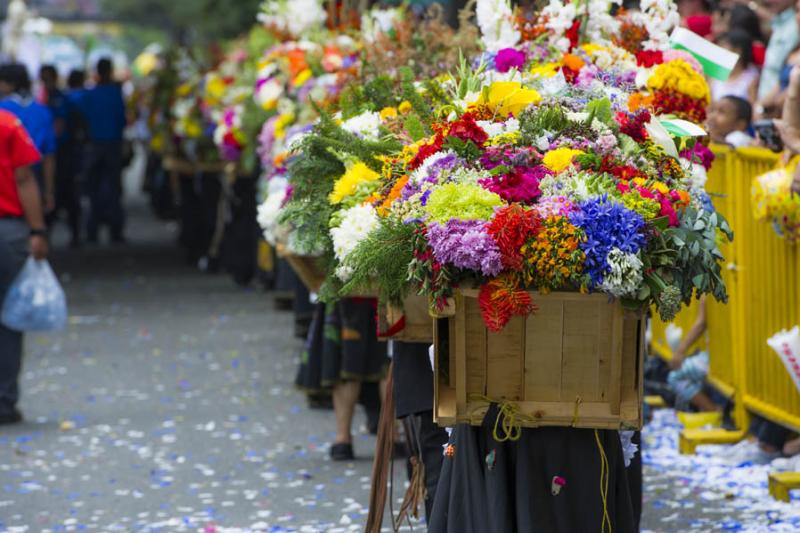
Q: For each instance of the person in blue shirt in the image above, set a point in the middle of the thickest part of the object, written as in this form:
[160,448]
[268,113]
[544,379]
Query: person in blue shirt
[15,97]
[103,109]
[67,195]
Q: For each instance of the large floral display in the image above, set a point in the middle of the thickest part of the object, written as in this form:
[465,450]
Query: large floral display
[561,158]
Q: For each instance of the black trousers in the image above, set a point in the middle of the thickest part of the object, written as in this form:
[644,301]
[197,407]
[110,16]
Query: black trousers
[104,188]
[13,251]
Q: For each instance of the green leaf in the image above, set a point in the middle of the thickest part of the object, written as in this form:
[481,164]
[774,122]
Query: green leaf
[600,110]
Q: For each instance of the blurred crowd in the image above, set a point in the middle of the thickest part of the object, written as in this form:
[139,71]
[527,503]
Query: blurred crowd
[78,127]
[748,108]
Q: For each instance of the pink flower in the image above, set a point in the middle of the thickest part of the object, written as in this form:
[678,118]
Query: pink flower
[509,58]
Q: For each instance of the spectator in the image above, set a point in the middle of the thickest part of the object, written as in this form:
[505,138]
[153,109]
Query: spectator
[15,91]
[785,37]
[104,110]
[695,15]
[742,18]
[67,195]
[743,81]
[729,121]
[21,222]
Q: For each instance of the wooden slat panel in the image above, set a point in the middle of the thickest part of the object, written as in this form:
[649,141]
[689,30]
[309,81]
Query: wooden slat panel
[505,353]
[579,363]
[475,347]
[543,344]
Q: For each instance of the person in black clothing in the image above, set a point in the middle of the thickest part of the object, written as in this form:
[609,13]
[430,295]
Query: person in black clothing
[67,194]
[413,401]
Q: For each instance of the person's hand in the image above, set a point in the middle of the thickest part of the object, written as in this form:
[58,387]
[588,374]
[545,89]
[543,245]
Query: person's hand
[790,135]
[38,247]
[796,181]
[677,359]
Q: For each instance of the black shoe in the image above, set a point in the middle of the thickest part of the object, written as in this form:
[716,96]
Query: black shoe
[13,417]
[342,451]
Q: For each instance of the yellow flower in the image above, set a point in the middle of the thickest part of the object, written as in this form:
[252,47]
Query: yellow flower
[404,107]
[285,119]
[560,158]
[388,112]
[591,48]
[660,187]
[184,89]
[548,70]
[302,77]
[504,97]
[215,87]
[193,129]
[348,184]
[678,75]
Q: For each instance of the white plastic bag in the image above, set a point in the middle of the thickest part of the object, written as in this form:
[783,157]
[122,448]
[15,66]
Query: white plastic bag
[787,345]
[35,301]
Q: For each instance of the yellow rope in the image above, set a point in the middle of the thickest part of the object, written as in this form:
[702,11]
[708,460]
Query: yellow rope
[578,401]
[508,424]
[604,474]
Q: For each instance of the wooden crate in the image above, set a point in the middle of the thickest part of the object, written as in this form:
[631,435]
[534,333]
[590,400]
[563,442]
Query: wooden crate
[417,323]
[577,362]
[308,270]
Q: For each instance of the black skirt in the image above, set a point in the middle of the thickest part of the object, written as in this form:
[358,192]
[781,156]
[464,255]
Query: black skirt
[491,487]
[342,345]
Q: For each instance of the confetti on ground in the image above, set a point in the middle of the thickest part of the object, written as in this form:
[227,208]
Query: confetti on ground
[720,488]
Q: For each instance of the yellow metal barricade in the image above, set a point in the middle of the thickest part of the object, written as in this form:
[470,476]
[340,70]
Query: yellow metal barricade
[768,269]
[721,318]
[761,273]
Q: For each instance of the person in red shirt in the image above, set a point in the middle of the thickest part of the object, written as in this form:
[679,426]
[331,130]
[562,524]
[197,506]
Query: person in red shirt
[22,231]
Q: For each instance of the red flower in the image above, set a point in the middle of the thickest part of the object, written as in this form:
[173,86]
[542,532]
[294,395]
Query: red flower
[502,298]
[648,58]
[425,151]
[573,33]
[510,228]
[633,124]
[466,129]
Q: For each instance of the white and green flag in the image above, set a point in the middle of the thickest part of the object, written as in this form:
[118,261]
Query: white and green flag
[717,62]
[682,128]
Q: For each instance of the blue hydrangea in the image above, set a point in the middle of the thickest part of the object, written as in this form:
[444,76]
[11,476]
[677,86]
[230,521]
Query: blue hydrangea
[607,225]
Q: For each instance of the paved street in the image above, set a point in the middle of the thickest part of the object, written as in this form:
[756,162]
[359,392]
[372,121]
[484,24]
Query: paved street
[168,405]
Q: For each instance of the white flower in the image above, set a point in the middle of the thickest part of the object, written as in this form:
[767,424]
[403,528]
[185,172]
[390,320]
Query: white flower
[658,17]
[624,275]
[268,92]
[365,125]
[270,208]
[295,16]
[357,222]
[496,22]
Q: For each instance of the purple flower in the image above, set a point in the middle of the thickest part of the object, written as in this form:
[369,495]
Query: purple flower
[465,244]
[509,58]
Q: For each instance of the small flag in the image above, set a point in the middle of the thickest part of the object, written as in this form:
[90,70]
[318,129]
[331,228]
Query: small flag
[717,62]
[682,128]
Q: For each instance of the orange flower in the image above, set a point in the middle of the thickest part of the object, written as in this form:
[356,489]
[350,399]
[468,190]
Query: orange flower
[297,61]
[573,62]
[393,195]
[637,101]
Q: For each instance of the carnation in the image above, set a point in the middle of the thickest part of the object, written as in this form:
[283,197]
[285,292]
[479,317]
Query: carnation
[463,201]
[465,244]
[509,58]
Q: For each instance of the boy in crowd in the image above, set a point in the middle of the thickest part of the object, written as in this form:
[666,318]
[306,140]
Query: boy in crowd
[729,121]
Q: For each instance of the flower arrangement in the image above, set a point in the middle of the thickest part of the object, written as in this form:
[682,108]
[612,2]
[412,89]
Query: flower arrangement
[541,166]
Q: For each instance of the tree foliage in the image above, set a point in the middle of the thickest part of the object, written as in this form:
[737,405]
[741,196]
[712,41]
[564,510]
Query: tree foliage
[190,21]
